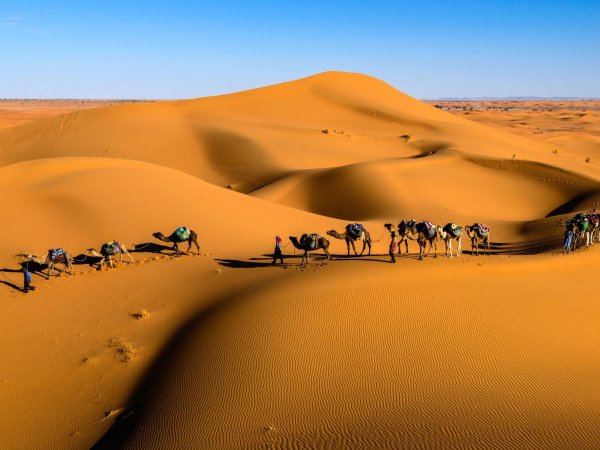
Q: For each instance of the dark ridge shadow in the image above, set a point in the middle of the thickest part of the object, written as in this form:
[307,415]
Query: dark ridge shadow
[573,205]
[150,384]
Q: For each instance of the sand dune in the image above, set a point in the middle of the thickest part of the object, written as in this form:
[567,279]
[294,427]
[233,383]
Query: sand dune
[363,358]
[224,350]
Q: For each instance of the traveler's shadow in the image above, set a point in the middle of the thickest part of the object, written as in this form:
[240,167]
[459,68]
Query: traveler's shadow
[253,263]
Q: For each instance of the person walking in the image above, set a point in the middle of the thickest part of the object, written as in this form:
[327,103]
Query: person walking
[27,279]
[277,252]
[393,243]
[567,241]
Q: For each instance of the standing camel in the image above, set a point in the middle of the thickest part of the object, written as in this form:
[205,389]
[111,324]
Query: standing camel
[354,232]
[427,233]
[448,233]
[478,232]
[407,229]
[309,243]
[108,250]
[54,256]
[178,236]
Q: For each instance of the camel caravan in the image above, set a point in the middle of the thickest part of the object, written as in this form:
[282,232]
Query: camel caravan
[582,230]
[107,254]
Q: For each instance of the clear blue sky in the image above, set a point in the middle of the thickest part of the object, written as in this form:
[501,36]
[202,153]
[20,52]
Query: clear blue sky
[184,49]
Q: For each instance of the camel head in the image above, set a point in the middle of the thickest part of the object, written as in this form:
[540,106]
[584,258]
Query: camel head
[157,234]
[390,227]
[331,233]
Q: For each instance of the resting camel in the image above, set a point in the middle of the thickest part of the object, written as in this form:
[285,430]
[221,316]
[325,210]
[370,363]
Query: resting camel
[448,233]
[54,256]
[365,237]
[476,234]
[178,236]
[108,250]
[306,245]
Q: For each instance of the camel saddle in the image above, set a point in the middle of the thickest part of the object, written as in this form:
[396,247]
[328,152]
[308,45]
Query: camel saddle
[483,229]
[356,230]
[429,228]
[183,233]
[56,254]
[407,225]
[111,248]
[453,230]
[310,240]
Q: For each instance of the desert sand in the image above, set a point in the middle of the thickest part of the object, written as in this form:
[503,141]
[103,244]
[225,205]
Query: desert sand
[225,350]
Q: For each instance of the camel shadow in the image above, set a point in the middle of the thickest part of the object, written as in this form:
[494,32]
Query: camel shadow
[84,259]
[374,257]
[253,263]
[151,247]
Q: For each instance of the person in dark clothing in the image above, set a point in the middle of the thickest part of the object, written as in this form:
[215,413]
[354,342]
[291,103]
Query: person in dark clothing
[277,252]
[393,243]
[27,280]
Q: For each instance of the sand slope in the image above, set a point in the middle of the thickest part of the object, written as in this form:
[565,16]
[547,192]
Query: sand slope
[464,353]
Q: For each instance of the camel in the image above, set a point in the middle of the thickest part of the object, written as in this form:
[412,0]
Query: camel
[427,232]
[406,230]
[54,256]
[178,236]
[350,237]
[108,250]
[448,233]
[306,244]
[478,232]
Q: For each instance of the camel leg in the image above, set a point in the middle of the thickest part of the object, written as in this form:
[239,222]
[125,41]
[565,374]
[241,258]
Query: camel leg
[129,255]
[50,270]
[449,245]
[327,253]
[348,247]
[459,245]
[176,248]
[197,246]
